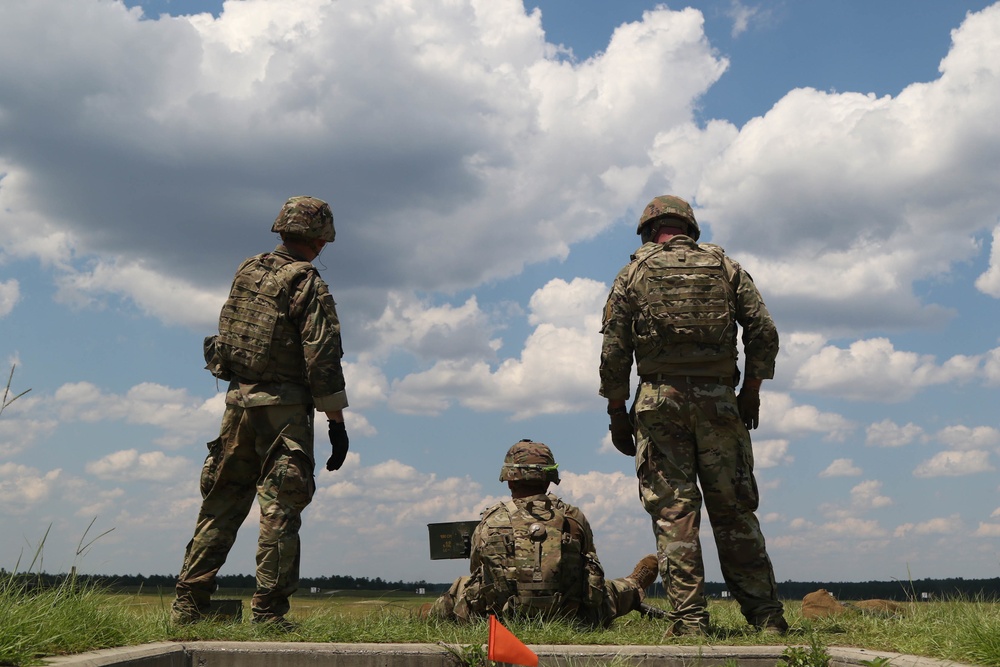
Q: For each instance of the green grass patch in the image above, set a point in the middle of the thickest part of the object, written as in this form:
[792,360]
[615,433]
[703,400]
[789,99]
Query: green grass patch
[36,622]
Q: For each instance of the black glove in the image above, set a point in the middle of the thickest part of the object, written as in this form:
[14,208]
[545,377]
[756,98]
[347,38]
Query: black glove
[622,431]
[748,402]
[339,440]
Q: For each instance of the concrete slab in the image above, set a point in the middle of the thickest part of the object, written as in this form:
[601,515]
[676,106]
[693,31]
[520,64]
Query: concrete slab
[303,654]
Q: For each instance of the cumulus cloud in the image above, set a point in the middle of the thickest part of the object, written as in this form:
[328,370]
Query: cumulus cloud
[555,373]
[21,487]
[929,146]
[779,413]
[887,433]
[955,464]
[469,145]
[18,434]
[867,495]
[965,437]
[841,468]
[130,464]
[989,281]
[939,526]
[182,418]
[10,294]
[873,370]
[771,453]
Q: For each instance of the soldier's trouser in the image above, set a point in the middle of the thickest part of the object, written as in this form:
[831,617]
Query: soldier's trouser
[265,452]
[620,597]
[688,433]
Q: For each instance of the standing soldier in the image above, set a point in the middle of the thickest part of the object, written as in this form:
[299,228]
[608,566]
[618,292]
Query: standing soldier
[674,308]
[279,346]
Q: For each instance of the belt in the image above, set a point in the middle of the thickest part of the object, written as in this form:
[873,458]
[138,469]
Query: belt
[661,378]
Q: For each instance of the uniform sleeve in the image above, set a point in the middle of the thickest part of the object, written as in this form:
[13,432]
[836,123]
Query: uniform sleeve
[760,336]
[617,347]
[313,310]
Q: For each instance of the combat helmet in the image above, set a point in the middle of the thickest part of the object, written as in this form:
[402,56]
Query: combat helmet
[306,216]
[529,461]
[669,206]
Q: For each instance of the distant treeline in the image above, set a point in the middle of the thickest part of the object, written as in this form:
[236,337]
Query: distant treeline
[916,589]
[153,582]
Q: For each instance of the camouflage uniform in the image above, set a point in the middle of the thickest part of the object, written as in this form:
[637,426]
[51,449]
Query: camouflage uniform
[279,344]
[565,580]
[674,308]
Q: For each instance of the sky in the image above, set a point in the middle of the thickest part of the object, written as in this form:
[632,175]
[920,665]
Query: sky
[486,162]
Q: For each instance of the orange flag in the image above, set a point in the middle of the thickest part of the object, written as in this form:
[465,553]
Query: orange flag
[503,646]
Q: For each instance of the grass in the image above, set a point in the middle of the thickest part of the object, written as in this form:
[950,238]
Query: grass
[70,619]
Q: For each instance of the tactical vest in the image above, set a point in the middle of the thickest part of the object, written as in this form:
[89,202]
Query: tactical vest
[687,305]
[534,565]
[256,341]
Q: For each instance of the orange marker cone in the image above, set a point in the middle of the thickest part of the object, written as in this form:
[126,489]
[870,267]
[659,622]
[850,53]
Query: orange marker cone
[503,646]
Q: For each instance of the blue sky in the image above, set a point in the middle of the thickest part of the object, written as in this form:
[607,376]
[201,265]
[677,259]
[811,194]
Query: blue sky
[486,163]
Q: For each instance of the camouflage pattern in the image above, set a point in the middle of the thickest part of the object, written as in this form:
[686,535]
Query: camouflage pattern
[628,334]
[669,206]
[279,335]
[264,453]
[689,431]
[503,573]
[529,462]
[280,343]
[306,216]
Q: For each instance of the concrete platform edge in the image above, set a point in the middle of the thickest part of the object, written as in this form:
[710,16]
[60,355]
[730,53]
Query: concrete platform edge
[306,654]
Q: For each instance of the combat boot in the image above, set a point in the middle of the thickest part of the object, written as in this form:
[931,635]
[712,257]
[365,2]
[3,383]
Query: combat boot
[277,623]
[645,572]
[775,625]
[184,611]
[682,629]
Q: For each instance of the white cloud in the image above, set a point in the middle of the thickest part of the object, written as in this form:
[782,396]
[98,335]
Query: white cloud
[991,367]
[917,169]
[771,453]
[432,332]
[873,370]
[955,464]
[988,530]
[887,433]
[940,526]
[182,418]
[10,294]
[867,495]
[555,373]
[164,297]
[841,468]
[21,486]
[989,281]
[19,434]
[780,414]
[129,464]
[965,437]
[468,149]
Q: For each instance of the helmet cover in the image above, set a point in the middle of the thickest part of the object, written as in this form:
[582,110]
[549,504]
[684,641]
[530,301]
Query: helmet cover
[529,461]
[306,216]
[669,206]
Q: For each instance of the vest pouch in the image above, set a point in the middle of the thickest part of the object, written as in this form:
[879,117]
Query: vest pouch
[213,361]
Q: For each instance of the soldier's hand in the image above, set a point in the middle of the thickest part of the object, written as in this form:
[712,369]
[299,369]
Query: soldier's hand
[340,443]
[748,402]
[622,431]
